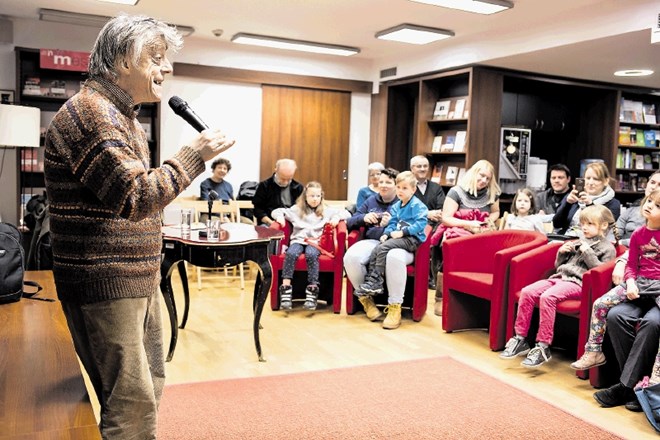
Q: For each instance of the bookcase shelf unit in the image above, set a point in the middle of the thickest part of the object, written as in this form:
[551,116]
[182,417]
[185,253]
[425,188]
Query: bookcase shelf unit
[48,89]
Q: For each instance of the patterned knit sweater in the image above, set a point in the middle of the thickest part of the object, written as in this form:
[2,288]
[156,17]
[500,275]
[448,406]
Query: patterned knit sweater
[105,201]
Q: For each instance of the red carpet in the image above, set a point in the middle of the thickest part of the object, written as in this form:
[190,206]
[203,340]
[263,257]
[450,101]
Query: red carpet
[438,398]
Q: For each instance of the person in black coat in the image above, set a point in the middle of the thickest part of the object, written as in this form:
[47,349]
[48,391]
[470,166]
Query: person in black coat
[278,191]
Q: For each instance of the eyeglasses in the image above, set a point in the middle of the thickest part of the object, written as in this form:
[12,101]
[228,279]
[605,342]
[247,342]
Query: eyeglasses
[375,174]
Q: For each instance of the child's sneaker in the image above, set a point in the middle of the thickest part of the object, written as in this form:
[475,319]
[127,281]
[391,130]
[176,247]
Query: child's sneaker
[537,356]
[286,297]
[589,359]
[514,348]
[373,284]
[311,297]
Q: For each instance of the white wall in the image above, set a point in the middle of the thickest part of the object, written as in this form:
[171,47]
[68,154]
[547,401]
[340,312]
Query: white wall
[235,108]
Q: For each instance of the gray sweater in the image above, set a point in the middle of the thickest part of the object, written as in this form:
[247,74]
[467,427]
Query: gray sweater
[571,266]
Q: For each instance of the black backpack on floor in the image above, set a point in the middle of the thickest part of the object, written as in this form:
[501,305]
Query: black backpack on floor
[12,265]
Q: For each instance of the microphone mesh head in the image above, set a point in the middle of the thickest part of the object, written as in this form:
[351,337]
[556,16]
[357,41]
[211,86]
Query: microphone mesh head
[177,104]
[213,195]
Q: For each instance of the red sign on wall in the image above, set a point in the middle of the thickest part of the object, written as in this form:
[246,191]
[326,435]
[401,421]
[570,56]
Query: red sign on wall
[63,60]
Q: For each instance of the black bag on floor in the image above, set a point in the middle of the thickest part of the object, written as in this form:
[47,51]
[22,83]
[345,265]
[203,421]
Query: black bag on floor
[12,265]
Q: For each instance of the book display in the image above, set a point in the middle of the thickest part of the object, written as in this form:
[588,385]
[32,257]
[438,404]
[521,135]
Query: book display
[48,88]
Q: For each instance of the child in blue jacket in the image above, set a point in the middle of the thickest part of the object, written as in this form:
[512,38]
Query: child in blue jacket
[405,230]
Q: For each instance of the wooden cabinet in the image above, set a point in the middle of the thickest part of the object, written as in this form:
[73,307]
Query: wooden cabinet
[48,89]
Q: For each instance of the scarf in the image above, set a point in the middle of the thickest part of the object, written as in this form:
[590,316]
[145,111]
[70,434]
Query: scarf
[600,199]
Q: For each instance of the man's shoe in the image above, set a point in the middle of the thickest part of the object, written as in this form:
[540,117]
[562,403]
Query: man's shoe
[536,357]
[514,348]
[437,307]
[634,406]
[286,295]
[370,307]
[616,395]
[588,360]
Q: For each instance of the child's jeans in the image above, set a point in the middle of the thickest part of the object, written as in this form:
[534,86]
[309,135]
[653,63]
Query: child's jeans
[546,294]
[311,257]
[379,254]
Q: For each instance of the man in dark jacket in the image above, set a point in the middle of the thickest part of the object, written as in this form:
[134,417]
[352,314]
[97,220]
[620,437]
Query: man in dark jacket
[278,191]
[549,200]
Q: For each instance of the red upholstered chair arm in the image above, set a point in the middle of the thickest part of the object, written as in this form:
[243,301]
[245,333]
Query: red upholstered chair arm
[533,265]
[341,238]
[286,229]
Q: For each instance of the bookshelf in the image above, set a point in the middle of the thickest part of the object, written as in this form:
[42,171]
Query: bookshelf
[48,89]
[637,144]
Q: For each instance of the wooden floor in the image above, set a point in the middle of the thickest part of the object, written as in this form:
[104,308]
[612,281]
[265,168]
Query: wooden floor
[218,344]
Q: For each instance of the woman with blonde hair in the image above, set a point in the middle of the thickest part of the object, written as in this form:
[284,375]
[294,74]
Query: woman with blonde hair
[597,191]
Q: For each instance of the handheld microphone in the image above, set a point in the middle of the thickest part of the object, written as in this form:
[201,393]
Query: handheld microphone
[182,109]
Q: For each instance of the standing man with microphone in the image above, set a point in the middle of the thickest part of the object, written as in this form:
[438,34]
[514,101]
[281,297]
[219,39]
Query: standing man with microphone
[105,205]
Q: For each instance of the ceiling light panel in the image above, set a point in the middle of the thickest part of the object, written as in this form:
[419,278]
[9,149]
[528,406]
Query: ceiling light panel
[121,2]
[299,45]
[413,34]
[633,72]
[476,6]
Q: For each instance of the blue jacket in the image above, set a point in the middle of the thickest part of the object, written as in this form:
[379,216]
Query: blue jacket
[411,219]
[375,204]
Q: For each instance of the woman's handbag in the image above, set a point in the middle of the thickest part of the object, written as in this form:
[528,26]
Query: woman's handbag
[327,243]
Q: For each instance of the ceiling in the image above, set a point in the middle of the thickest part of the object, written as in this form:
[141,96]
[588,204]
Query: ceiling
[587,39]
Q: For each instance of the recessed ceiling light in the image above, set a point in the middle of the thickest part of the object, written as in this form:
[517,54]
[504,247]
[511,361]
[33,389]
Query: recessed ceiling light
[413,34]
[634,72]
[121,2]
[300,45]
[477,6]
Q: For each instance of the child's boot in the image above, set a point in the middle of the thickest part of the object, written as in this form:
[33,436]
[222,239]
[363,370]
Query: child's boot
[286,297]
[311,297]
[373,284]
[370,307]
[588,360]
[393,318]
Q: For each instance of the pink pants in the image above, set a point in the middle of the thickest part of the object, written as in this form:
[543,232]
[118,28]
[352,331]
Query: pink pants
[546,294]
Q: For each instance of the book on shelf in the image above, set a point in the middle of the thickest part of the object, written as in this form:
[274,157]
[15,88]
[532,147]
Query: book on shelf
[638,111]
[648,162]
[461,174]
[436,176]
[649,138]
[32,160]
[441,110]
[459,108]
[641,142]
[619,158]
[459,142]
[32,86]
[624,135]
[436,147]
[639,162]
[448,145]
[633,137]
[649,113]
[452,174]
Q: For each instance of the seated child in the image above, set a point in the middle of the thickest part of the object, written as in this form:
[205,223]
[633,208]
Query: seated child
[307,217]
[405,230]
[573,259]
[523,212]
[641,277]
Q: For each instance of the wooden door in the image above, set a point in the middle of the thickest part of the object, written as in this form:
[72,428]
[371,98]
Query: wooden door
[310,126]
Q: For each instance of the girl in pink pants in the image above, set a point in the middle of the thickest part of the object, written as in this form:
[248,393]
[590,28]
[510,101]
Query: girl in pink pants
[574,258]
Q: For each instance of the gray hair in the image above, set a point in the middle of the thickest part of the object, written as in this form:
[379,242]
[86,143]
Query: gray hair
[376,166]
[285,162]
[125,36]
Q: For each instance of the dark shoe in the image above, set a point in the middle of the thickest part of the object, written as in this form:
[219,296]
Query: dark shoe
[514,348]
[536,357]
[286,294]
[616,395]
[373,285]
[634,406]
[311,297]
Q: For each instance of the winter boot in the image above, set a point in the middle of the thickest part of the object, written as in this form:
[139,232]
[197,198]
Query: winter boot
[370,307]
[286,294]
[311,297]
[393,318]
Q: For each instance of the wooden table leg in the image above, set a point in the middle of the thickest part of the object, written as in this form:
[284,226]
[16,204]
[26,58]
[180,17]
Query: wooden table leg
[261,288]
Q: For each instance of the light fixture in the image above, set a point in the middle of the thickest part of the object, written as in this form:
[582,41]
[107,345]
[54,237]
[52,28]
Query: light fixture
[121,2]
[91,20]
[413,34]
[285,43]
[19,126]
[478,6]
[633,72]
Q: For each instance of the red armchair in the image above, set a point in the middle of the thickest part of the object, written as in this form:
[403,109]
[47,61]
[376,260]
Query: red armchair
[538,264]
[334,265]
[416,295]
[476,280]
